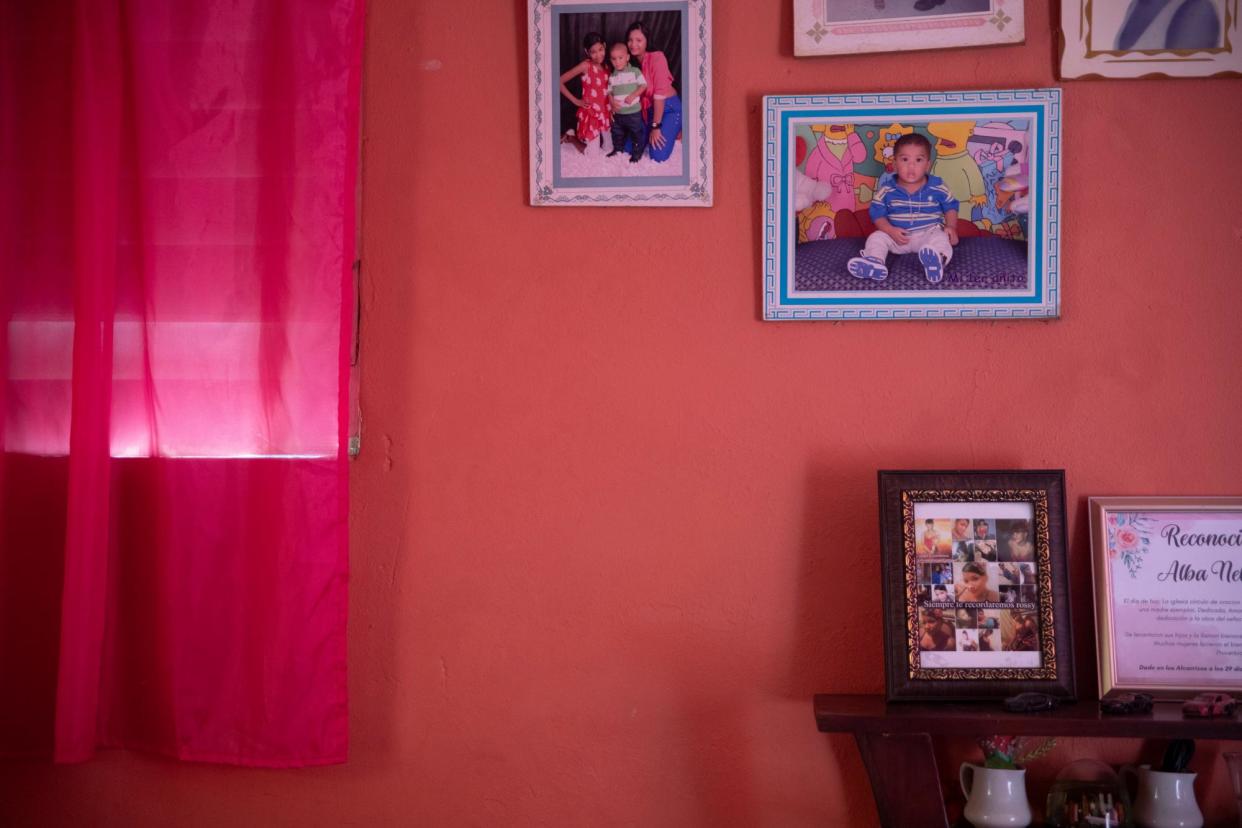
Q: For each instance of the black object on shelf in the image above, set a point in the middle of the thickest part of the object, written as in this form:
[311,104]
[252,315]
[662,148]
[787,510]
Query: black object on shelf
[1031,702]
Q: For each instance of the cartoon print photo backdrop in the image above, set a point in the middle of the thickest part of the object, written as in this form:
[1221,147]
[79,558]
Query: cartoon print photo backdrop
[977,160]
[972,157]
[999,150]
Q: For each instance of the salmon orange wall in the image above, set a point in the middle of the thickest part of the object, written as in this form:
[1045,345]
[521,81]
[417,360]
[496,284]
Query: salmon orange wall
[611,531]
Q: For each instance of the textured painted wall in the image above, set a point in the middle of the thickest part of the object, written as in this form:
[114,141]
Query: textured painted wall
[611,531]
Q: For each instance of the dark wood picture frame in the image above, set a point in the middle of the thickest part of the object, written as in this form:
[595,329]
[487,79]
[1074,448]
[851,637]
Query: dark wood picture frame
[913,673]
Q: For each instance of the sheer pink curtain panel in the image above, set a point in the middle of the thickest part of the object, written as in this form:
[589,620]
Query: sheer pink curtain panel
[177,214]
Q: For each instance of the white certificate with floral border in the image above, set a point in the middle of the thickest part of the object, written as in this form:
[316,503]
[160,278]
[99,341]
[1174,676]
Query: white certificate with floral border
[1168,594]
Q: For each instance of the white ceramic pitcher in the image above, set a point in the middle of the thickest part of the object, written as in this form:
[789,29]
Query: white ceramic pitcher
[994,796]
[1164,800]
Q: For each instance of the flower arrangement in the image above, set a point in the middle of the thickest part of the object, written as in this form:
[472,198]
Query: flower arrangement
[1128,539]
[1013,752]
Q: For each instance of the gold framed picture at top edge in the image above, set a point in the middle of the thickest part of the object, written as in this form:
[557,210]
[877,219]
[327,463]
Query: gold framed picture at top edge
[1150,38]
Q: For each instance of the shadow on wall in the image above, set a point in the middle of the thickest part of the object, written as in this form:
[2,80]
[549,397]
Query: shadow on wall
[1082,602]
[723,784]
[839,629]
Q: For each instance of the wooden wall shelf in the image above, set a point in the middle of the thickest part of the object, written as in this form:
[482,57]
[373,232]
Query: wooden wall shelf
[896,747]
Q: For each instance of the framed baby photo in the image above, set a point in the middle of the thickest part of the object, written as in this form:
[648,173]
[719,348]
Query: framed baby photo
[838,27]
[921,205]
[1150,39]
[1168,608]
[620,103]
[976,600]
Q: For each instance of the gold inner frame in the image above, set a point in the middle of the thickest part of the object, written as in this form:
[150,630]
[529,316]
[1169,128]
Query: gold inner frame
[1043,557]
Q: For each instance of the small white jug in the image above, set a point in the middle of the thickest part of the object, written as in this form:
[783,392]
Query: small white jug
[1164,800]
[994,796]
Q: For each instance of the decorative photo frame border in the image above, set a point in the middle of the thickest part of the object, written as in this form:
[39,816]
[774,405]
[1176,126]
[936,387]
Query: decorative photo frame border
[827,27]
[557,176]
[947,648]
[1025,284]
[1166,572]
[1092,47]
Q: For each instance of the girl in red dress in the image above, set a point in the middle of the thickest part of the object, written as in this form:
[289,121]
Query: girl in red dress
[594,115]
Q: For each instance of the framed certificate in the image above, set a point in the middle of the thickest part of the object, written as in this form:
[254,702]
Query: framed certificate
[975,594]
[1168,594]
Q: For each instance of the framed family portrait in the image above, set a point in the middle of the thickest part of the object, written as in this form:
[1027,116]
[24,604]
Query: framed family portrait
[976,602]
[920,205]
[1167,573]
[620,103]
[837,27]
[1150,38]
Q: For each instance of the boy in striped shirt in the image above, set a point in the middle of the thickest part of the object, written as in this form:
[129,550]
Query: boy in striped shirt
[625,86]
[913,213]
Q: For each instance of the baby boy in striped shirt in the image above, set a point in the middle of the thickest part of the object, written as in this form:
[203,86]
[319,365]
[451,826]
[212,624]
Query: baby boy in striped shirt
[625,86]
[913,213]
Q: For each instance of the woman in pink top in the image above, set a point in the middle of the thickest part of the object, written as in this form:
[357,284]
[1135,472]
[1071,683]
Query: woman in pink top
[661,104]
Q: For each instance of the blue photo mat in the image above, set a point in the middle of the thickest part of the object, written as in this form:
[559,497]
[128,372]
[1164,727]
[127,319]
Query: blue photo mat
[554,28]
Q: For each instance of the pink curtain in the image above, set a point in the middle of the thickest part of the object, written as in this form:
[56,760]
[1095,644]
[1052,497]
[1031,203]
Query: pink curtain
[177,223]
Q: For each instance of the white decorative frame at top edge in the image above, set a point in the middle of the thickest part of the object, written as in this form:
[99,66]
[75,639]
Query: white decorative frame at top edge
[1044,299]
[1081,58]
[544,91]
[814,34]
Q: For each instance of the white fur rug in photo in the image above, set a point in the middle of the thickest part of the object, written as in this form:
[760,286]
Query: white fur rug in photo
[594,163]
